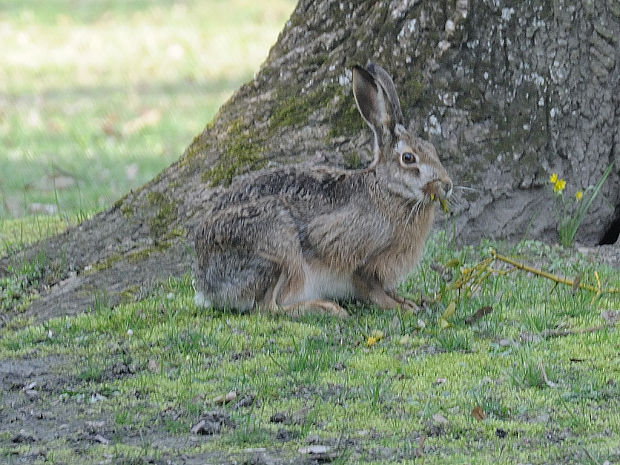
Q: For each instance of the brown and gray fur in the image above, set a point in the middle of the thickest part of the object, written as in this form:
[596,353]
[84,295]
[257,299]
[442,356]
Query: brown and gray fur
[293,238]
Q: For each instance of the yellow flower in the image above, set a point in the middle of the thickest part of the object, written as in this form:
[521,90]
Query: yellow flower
[374,337]
[553,178]
[578,195]
[559,185]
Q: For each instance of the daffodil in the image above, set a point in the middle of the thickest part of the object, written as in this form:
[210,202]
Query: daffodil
[578,195]
[559,185]
[553,178]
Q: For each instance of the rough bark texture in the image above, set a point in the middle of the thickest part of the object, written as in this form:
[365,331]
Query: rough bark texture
[507,91]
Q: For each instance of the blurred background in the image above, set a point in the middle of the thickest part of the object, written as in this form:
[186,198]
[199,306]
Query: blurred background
[98,96]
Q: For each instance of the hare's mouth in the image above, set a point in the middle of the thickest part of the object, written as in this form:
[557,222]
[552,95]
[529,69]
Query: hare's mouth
[439,191]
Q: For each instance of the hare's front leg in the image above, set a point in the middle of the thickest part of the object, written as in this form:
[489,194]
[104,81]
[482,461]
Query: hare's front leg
[372,290]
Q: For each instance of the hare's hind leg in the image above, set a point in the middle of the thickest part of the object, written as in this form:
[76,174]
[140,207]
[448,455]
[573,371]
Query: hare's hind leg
[233,280]
[286,296]
[312,306]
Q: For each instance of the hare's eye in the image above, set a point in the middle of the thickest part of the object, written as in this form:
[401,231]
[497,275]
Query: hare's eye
[408,158]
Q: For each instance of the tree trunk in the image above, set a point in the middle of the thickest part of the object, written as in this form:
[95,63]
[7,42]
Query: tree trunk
[507,91]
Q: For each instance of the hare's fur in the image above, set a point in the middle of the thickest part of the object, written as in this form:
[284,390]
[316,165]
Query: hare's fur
[291,239]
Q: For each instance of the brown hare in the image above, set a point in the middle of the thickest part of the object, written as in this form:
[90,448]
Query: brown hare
[293,238]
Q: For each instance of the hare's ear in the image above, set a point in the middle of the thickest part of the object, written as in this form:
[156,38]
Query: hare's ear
[385,81]
[370,100]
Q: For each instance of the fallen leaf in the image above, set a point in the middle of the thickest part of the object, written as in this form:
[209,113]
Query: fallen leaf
[478,413]
[482,311]
[224,399]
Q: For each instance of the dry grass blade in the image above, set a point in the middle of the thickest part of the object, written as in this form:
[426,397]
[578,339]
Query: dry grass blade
[544,376]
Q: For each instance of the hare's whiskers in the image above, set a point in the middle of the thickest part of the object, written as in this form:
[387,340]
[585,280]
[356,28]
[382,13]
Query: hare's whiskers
[464,188]
[414,210]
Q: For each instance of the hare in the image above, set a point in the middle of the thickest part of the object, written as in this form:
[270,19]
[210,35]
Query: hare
[293,239]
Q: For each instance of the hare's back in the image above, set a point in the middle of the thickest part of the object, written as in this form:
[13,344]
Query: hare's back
[301,184]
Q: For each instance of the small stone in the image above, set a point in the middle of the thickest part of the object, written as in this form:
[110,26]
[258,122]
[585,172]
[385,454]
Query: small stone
[313,450]
[22,436]
[211,423]
[99,438]
[278,417]
[94,426]
[339,367]
[245,401]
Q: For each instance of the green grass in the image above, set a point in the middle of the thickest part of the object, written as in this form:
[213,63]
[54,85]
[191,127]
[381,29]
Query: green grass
[101,95]
[159,363]
[97,97]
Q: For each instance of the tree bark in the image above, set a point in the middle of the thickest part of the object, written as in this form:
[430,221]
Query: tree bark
[507,91]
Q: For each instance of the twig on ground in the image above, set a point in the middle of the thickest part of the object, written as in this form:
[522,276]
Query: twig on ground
[576,284]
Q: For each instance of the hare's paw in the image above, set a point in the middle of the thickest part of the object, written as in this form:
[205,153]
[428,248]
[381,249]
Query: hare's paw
[315,306]
[404,304]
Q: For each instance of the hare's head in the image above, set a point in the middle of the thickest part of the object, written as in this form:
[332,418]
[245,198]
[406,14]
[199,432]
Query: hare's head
[407,165]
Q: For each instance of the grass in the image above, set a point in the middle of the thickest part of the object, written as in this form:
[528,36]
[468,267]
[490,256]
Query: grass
[97,97]
[157,364]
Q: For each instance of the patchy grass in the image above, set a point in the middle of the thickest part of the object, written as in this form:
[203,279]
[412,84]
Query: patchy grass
[141,375]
